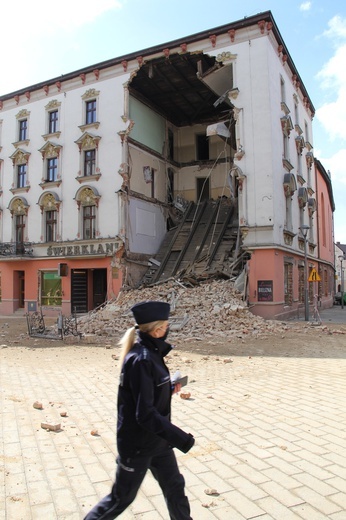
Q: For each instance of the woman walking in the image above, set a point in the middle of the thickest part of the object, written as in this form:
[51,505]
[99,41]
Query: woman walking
[145,434]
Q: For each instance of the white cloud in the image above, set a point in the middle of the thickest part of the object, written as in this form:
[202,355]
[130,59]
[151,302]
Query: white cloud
[305,6]
[336,165]
[41,19]
[337,28]
[36,36]
[332,115]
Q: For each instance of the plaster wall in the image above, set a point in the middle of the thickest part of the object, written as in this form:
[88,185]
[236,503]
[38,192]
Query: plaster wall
[147,226]
[259,70]
[140,159]
[71,116]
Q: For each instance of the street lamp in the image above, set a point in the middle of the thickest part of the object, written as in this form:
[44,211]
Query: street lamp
[341,258]
[304,231]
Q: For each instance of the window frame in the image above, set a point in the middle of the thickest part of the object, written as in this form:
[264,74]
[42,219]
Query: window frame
[89,163]
[23,130]
[19,233]
[90,111]
[50,222]
[52,169]
[22,172]
[53,123]
[51,300]
[89,222]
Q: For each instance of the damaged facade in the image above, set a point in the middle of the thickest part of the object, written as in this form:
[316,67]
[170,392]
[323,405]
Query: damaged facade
[187,159]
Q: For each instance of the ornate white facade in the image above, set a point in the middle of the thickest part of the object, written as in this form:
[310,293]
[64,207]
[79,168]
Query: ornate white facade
[93,165]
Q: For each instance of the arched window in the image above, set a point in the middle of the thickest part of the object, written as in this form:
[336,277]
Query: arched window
[49,204]
[88,199]
[19,211]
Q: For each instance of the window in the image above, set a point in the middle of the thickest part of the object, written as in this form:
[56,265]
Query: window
[52,169]
[89,222]
[296,114]
[53,121]
[306,128]
[51,162]
[170,185]
[23,130]
[202,144]
[49,204]
[51,289]
[89,162]
[282,90]
[51,219]
[21,176]
[288,222]
[301,284]
[288,283]
[285,146]
[88,145]
[87,200]
[323,221]
[90,112]
[170,147]
[153,183]
[20,227]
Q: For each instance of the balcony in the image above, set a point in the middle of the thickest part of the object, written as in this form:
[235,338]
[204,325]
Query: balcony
[11,249]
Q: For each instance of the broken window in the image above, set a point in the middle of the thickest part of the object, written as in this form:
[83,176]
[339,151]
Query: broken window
[202,147]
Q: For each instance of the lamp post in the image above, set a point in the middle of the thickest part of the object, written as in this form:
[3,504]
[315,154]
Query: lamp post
[341,258]
[304,231]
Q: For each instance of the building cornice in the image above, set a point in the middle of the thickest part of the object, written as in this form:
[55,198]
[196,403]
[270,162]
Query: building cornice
[264,21]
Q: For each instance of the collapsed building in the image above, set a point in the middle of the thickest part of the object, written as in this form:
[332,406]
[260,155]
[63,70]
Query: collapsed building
[191,159]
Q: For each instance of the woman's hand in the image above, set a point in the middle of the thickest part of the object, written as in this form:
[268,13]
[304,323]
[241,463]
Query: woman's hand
[176,388]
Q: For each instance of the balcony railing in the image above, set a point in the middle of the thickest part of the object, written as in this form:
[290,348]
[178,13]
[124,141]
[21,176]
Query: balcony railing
[19,249]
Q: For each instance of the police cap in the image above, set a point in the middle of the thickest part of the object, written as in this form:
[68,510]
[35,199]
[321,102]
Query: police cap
[147,312]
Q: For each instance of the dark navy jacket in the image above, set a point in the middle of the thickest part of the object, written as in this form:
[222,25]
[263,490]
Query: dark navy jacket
[144,401]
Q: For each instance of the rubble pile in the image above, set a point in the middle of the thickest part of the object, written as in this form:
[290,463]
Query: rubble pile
[206,310]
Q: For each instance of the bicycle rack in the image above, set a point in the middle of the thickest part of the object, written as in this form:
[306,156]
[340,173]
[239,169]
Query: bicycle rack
[66,325]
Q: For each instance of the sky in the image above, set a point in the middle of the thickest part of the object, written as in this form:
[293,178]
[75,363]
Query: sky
[40,41]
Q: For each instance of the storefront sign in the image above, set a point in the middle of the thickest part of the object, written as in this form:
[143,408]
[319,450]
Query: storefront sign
[265,290]
[83,249]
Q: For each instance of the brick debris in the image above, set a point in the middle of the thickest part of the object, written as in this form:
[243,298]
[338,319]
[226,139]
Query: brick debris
[213,308]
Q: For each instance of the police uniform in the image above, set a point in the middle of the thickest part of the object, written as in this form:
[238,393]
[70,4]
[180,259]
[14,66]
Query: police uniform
[145,434]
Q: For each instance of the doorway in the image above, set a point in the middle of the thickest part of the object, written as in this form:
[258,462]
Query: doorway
[99,287]
[20,289]
[79,291]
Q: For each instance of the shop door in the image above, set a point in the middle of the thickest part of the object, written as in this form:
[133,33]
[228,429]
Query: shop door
[21,289]
[79,291]
[99,287]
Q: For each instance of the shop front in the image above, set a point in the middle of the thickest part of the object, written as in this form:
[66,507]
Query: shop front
[64,278]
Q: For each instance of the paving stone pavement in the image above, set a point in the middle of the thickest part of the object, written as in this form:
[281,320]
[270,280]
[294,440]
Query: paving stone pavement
[270,435]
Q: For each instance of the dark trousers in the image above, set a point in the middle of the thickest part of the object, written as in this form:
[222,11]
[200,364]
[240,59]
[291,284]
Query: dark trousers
[129,476]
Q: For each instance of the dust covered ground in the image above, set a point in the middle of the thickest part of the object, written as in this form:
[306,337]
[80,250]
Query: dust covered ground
[289,339]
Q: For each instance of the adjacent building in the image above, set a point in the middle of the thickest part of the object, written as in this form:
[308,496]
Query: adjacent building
[97,166]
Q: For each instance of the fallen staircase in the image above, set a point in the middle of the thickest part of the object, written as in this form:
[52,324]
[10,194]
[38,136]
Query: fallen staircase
[206,241]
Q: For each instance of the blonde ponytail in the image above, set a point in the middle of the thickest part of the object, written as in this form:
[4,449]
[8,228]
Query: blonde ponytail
[128,340]
[126,343]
